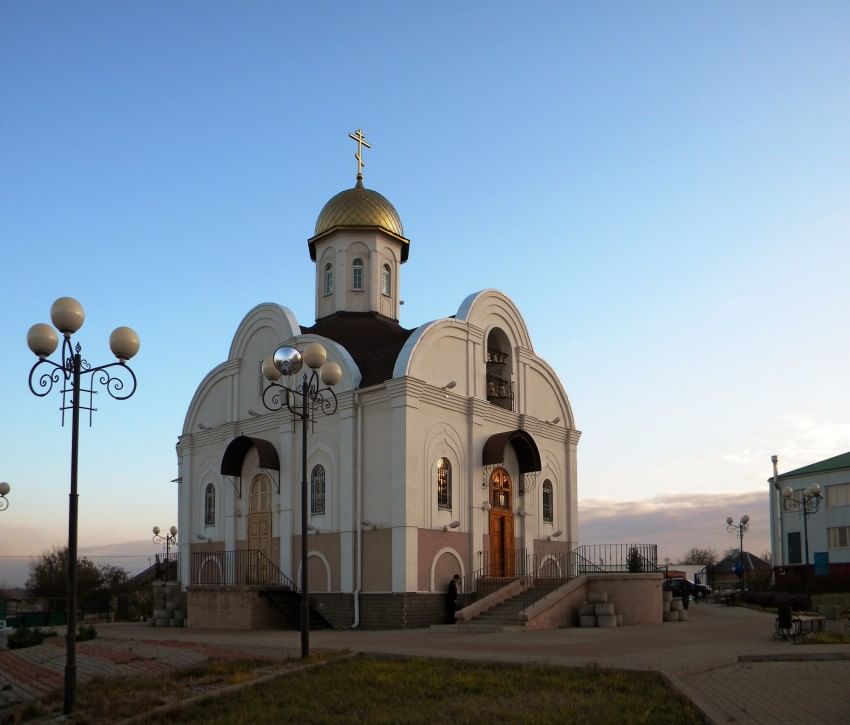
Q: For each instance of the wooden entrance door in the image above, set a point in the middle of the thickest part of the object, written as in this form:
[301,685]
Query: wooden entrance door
[501,524]
[259,525]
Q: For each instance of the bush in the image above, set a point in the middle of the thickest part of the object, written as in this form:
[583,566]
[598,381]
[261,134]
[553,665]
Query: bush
[25,636]
[772,600]
[85,633]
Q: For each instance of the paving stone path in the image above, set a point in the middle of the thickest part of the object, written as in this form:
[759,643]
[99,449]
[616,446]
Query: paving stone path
[724,659]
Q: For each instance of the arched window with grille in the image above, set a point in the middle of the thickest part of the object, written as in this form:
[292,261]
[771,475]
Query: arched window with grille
[317,490]
[548,502]
[386,280]
[444,484]
[209,505]
[357,274]
[329,278]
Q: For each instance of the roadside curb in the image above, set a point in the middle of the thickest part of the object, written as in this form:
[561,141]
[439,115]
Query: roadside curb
[801,657]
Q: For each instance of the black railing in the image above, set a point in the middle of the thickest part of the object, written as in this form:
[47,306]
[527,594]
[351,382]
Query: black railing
[245,567]
[617,558]
[508,565]
[545,572]
[167,567]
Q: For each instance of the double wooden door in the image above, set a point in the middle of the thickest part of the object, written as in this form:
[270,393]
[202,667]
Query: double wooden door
[502,551]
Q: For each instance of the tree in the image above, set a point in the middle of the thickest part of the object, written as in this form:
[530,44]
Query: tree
[634,561]
[706,556]
[49,578]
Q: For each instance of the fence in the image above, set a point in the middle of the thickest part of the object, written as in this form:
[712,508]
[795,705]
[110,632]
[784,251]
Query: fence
[547,571]
[245,567]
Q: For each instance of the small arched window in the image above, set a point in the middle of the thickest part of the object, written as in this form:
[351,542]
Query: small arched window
[386,280]
[317,490]
[548,502]
[329,278]
[209,505]
[357,274]
[444,484]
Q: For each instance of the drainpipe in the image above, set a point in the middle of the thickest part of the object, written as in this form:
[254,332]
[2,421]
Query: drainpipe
[358,504]
[777,551]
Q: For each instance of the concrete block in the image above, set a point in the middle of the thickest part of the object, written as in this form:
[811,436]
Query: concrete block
[830,611]
[671,616]
[587,621]
[619,620]
[677,606]
[603,610]
[683,615]
[597,597]
[668,596]
[606,620]
[585,610]
[665,606]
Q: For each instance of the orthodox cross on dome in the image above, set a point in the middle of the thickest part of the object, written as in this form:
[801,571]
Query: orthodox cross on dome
[361,142]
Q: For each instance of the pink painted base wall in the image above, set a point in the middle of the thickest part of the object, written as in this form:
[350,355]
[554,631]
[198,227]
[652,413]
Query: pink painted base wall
[636,596]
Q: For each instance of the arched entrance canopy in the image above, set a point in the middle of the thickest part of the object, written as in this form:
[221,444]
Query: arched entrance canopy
[237,449]
[528,456]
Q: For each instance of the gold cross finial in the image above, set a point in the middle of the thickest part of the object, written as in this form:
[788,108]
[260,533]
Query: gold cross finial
[361,142]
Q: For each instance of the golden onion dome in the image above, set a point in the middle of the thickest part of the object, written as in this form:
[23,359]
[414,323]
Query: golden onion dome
[359,207]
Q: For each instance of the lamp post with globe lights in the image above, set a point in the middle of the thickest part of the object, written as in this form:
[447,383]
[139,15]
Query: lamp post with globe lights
[739,529]
[118,380]
[169,538]
[808,500]
[4,489]
[305,400]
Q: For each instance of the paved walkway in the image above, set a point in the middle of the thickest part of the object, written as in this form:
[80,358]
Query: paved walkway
[723,659]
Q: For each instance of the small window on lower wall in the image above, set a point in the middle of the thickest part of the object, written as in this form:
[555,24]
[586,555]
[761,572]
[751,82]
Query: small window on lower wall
[444,484]
[548,502]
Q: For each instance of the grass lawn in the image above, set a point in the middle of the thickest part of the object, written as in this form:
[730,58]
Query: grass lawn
[365,689]
[371,689]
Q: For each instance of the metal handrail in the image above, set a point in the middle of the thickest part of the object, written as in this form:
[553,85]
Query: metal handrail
[242,567]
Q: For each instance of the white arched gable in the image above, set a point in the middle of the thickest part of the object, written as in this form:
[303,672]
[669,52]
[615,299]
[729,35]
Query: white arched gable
[268,314]
[219,375]
[555,390]
[491,308]
[423,349]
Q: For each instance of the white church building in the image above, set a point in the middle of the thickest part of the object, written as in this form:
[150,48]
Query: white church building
[452,450]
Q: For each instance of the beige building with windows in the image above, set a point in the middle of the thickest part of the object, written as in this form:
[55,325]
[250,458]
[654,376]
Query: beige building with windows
[453,448]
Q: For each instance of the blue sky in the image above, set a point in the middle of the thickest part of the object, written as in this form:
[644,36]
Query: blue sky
[661,187]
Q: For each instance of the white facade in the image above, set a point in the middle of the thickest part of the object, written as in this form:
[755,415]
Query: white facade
[413,405]
[828,527]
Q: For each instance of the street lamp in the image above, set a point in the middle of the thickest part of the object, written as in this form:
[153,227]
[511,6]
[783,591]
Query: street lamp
[739,529]
[808,501]
[68,316]
[168,539]
[305,401]
[4,489]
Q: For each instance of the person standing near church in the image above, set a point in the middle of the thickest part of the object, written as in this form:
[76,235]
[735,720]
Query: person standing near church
[451,599]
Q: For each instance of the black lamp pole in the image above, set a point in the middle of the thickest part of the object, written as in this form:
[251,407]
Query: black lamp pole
[739,529]
[809,501]
[304,401]
[68,316]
